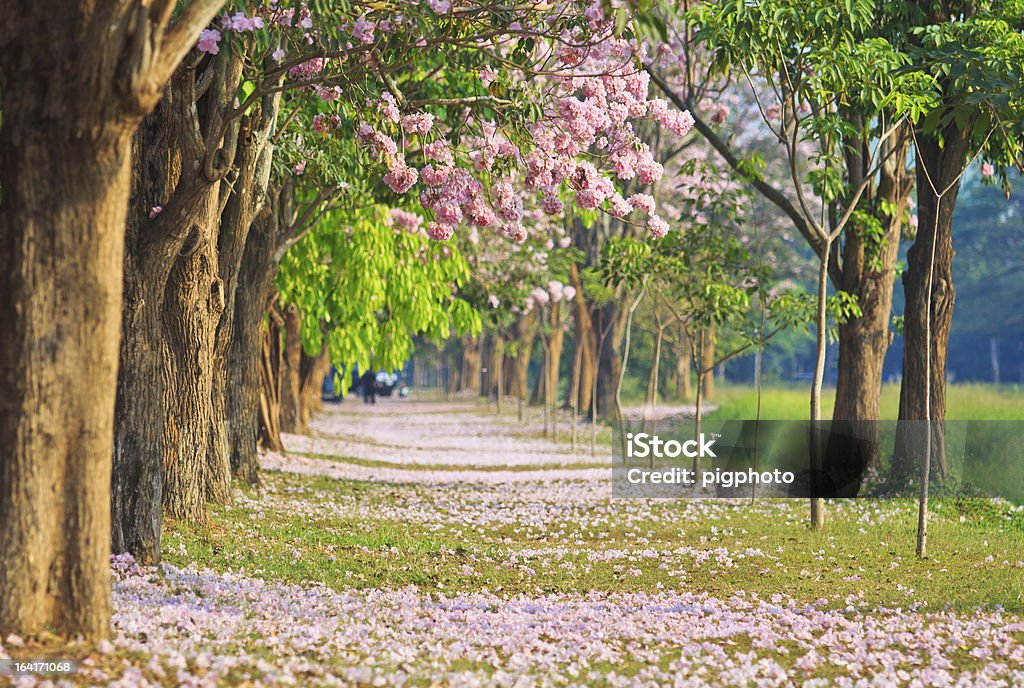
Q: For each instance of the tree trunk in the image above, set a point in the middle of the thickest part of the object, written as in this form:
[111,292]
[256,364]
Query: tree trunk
[868,265]
[272,360]
[255,285]
[586,339]
[313,369]
[247,198]
[193,306]
[471,364]
[935,224]
[993,357]
[76,83]
[612,320]
[682,365]
[174,300]
[556,343]
[291,377]
[526,333]
[652,379]
[709,358]
[162,148]
[65,186]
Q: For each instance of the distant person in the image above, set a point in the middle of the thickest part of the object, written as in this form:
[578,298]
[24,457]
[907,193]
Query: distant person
[369,381]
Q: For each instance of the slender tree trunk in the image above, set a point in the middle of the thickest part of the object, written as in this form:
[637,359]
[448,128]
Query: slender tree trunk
[709,356]
[817,520]
[499,366]
[683,365]
[652,379]
[993,357]
[526,333]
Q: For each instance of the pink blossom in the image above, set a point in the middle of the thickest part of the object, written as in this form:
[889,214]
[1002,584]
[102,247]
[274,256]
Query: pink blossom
[418,123]
[642,202]
[362,30]
[494,301]
[449,213]
[154,211]
[405,219]
[208,41]
[987,170]
[388,107]
[657,226]
[440,232]
[401,177]
[440,151]
[435,175]
[239,22]
[569,293]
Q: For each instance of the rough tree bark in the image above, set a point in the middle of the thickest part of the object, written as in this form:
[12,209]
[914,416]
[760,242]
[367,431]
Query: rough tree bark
[291,377]
[586,338]
[271,362]
[526,333]
[153,247]
[935,224]
[866,272]
[245,357]
[555,343]
[313,369]
[610,318]
[173,300]
[75,85]
[247,198]
[472,361]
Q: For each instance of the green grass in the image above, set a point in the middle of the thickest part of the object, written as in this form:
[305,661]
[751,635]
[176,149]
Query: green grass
[486,468]
[317,529]
[963,402]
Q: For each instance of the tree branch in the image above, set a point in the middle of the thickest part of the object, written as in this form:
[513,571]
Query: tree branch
[775,196]
[180,38]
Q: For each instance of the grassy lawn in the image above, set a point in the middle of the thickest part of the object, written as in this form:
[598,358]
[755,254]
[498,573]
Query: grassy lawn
[963,402]
[481,538]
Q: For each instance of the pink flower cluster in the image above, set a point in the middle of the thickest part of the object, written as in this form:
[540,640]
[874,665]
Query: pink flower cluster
[239,22]
[403,219]
[209,40]
[418,123]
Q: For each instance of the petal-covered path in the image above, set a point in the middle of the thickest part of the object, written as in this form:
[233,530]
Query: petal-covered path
[416,543]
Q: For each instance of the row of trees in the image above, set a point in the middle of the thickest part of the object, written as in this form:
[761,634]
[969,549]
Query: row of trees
[193,193]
